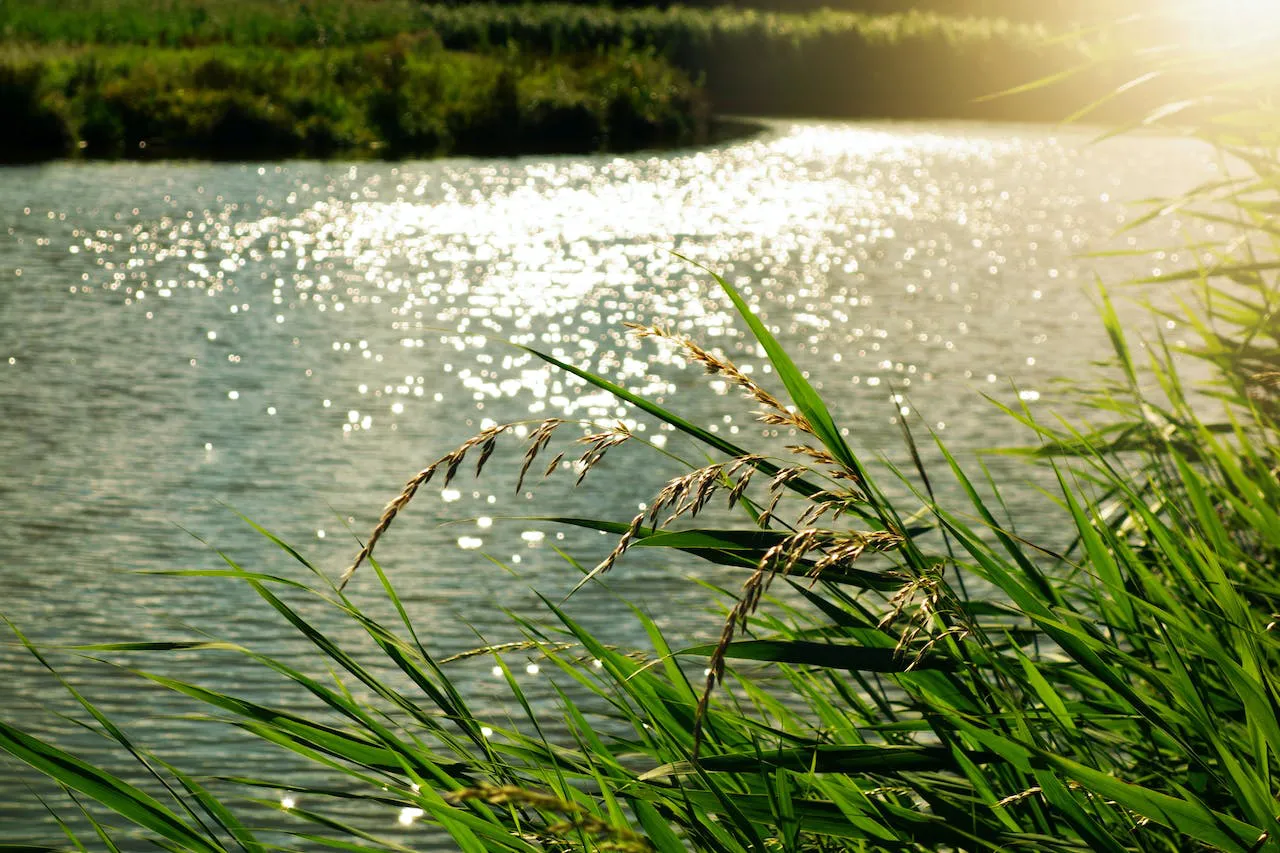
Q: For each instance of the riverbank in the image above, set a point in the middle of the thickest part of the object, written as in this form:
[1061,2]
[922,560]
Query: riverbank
[246,78]
[401,97]
[552,27]
[820,64]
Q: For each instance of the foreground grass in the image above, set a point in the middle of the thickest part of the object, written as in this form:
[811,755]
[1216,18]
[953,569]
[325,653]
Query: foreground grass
[395,98]
[1119,696]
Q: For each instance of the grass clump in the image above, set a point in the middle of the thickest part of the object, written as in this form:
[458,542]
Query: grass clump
[1118,694]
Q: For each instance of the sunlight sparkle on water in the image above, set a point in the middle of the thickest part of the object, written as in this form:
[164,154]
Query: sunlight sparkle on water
[878,252]
[408,815]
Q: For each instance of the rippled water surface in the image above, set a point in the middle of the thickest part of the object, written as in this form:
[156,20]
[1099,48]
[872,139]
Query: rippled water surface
[180,343]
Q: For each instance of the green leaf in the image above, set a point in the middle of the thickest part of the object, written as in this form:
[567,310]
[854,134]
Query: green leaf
[743,548]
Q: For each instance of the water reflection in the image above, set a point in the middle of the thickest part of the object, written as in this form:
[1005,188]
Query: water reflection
[408,815]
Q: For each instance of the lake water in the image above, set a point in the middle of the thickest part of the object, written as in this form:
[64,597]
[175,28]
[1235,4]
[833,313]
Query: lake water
[182,342]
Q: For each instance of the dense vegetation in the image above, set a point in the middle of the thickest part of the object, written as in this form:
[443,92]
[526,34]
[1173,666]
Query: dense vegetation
[343,20]
[1057,13]
[1118,694]
[67,67]
[396,98]
[822,63]
[562,26]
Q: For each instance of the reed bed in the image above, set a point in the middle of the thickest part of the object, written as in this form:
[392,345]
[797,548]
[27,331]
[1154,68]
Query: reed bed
[824,63]
[176,24]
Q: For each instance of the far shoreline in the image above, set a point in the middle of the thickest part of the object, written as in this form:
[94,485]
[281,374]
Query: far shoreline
[721,130]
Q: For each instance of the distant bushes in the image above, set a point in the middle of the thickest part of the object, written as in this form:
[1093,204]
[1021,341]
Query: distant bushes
[181,23]
[40,113]
[187,23]
[235,78]
[548,27]
[824,63]
[398,98]
[821,63]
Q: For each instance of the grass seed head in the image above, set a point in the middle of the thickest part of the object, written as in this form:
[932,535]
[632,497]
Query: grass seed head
[774,412]
[486,440]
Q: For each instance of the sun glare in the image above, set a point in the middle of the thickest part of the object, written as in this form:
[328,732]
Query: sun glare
[1234,24]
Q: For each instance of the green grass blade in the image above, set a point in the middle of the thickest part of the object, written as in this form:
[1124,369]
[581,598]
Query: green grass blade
[122,798]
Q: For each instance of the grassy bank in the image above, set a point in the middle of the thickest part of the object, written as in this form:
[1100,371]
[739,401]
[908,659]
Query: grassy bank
[395,98]
[821,63]
[566,25]
[258,21]
[824,63]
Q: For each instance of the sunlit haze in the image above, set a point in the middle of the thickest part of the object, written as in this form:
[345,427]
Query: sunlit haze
[1233,24]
